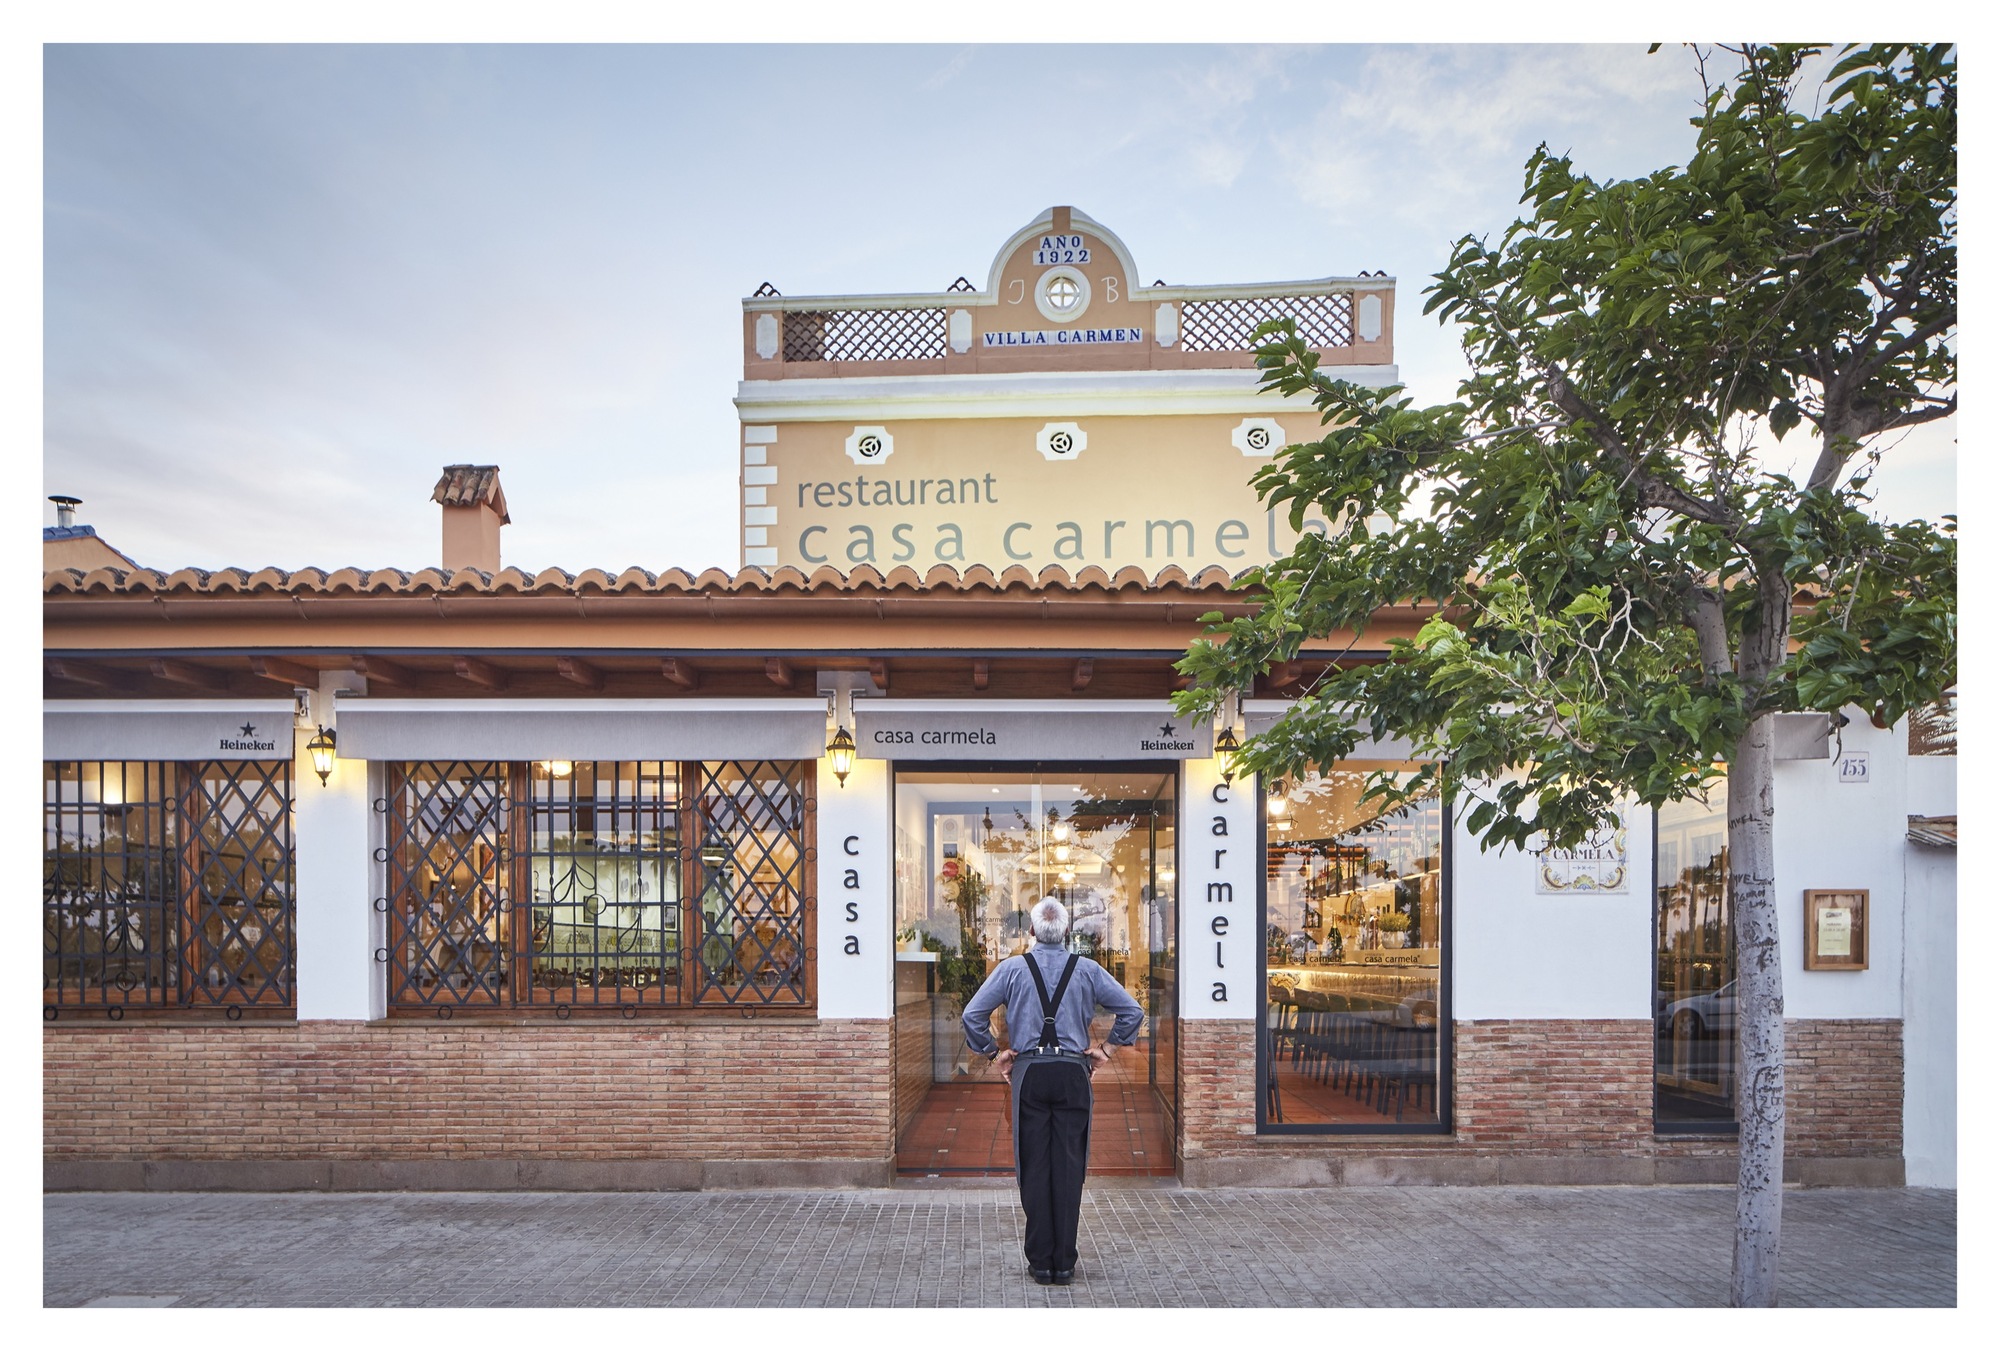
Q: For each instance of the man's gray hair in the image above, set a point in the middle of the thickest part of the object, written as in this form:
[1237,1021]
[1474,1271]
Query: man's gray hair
[1051,920]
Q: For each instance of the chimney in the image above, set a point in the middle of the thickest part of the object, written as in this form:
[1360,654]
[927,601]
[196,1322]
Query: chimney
[474,511]
[66,510]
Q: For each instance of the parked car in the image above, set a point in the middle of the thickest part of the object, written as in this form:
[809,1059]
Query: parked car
[1702,1014]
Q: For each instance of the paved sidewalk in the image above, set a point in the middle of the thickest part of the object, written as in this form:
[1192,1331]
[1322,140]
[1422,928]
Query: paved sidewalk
[1480,1246]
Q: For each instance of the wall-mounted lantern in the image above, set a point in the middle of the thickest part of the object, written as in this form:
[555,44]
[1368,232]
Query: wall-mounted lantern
[321,749]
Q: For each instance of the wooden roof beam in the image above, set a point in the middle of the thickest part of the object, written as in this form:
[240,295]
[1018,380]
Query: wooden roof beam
[286,673]
[1085,668]
[88,673]
[580,672]
[381,669]
[778,671]
[878,671]
[982,671]
[185,673]
[681,673]
[481,673]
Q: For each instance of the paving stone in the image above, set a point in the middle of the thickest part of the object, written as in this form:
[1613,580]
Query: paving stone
[1141,1247]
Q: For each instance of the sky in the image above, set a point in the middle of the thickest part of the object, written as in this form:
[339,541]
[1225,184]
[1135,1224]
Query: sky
[283,285]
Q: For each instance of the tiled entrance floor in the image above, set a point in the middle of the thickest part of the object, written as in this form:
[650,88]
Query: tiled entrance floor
[967,1129]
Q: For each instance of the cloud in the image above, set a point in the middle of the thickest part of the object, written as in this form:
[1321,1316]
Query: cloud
[1436,133]
[948,72]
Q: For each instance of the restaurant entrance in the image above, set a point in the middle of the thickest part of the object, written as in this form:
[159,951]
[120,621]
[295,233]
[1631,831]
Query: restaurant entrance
[976,848]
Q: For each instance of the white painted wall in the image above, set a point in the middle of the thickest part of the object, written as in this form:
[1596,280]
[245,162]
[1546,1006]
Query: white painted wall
[1516,954]
[1218,970]
[334,834]
[1933,785]
[1930,1016]
[856,892]
[1833,834]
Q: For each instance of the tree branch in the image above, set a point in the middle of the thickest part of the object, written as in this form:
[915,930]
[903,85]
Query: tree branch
[1652,491]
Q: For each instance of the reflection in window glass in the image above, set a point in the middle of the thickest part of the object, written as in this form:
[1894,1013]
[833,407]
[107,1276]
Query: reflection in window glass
[1694,999]
[1352,939]
[449,900]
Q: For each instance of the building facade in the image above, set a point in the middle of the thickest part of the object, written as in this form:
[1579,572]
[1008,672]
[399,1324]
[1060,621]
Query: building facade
[462,877]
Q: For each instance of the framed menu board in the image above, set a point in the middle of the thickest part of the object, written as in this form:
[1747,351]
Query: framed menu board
[1836,930]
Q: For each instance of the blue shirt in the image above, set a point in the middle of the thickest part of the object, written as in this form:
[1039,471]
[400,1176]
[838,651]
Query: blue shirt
[1089,988]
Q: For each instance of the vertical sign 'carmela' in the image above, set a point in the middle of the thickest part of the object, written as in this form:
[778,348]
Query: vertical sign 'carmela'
[1219,897]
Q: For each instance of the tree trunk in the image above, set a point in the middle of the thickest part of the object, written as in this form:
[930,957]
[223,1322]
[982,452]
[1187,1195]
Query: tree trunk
[1760,1022]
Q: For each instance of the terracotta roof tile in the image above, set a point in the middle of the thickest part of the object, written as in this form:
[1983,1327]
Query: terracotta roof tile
[471,485]
[631,581]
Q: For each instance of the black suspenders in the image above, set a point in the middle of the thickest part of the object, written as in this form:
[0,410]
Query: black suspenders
[1048,1042]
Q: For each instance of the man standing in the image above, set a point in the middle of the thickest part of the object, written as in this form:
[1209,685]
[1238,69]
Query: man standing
[1051,995]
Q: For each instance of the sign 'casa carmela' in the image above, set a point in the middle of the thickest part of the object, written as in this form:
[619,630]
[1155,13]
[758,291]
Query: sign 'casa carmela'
[1066,412]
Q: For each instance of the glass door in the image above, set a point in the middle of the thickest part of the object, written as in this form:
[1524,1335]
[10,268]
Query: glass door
[975,851]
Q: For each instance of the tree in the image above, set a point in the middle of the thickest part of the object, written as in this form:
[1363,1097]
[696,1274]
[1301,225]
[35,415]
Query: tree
[1618,599]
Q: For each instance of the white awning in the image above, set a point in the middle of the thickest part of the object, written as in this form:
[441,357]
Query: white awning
[580,729]
[167,729]
[1028,729]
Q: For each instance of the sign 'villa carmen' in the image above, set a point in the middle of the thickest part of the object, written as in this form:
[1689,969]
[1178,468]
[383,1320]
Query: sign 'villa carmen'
[1067,413]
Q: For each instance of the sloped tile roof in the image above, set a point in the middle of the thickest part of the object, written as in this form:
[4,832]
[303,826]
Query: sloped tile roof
[632,581]
[1940,832]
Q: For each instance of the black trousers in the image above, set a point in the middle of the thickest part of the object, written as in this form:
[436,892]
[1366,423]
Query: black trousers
[1051,1147]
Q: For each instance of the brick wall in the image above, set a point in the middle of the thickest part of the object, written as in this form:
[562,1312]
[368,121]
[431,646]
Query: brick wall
[1549,1100]
[1844,1087]
[724,1088]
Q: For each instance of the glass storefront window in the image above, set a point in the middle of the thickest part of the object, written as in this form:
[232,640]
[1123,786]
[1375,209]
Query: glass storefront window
[1694,992]
[167,885]
[1354,937]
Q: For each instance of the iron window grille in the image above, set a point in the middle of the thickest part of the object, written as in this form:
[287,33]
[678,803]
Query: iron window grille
[751,899]
[1231,325]
[167,886]
[449,903]
[559,885]
[604,883]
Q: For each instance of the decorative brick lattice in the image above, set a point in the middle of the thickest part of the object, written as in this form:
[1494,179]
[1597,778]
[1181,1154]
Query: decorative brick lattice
[1231,325]
[865,335]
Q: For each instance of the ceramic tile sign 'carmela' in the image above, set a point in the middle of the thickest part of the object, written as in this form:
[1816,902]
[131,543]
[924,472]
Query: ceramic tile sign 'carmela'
[1596,864]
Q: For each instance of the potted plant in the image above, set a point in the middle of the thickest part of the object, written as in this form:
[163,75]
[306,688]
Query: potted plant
[1395,925]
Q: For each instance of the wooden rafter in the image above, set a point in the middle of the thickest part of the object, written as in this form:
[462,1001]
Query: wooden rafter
[88,673]
[186,673]
[382,669]
[778,671]
[681,673]
[1085,668]
[982,671]
[580,672]
[481,673]
[287,673]
[878,671]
